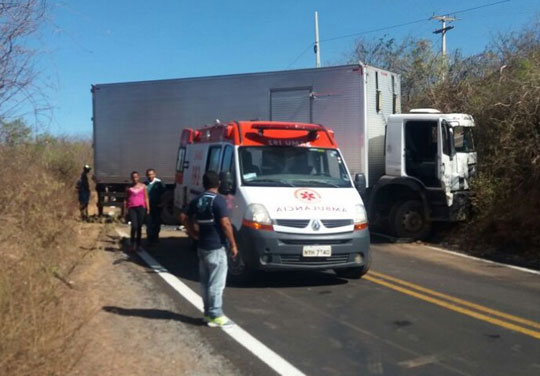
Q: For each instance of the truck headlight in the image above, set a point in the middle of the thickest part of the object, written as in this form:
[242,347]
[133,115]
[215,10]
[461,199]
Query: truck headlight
[257,217]
[360,217]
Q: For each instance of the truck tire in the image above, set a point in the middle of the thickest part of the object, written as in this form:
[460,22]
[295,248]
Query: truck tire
[167,212]
[408,220]
[354,273]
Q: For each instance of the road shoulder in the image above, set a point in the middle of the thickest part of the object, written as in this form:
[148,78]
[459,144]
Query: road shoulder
[132,328]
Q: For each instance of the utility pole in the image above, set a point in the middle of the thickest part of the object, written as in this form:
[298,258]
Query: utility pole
[443,30]
[317,47]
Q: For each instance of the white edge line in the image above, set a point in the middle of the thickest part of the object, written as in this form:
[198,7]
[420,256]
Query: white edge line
[259,349]
[522,269]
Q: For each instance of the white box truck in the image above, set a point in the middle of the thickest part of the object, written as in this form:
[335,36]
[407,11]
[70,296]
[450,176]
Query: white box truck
[411,169]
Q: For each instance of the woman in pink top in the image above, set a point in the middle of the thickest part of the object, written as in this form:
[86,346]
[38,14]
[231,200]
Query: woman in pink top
[137,206]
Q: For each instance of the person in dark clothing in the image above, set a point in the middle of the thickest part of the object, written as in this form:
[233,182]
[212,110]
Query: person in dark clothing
[155,188]
[209,211]
[83,188]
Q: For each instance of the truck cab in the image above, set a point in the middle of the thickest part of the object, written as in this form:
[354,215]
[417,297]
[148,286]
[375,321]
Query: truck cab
[429,162]
[292,201]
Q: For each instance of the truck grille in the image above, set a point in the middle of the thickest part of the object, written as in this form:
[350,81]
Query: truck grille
[315,241]
[302,223]
[332,223]
[299,259]
[297,223]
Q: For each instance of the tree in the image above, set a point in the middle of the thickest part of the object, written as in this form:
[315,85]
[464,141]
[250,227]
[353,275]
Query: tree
[19,20]
[14,133]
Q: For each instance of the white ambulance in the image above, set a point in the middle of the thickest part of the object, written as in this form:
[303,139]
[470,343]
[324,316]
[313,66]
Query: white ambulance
[293,204]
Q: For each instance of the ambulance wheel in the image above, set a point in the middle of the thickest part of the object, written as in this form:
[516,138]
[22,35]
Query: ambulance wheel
[240,270]
[409,220]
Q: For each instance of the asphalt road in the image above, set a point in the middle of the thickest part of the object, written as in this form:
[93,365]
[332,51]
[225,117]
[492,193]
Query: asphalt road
[418,312]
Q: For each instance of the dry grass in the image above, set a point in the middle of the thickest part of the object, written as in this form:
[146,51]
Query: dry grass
[37,221]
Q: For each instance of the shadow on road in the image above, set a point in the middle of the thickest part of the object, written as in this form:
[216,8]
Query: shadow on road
[133,258]
[156,314]
[176,255]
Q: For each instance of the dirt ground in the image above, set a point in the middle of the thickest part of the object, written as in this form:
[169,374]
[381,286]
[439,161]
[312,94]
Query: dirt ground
[128,326]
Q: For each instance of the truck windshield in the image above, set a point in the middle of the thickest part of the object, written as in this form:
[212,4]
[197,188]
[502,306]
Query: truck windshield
[463,139]
[273,166]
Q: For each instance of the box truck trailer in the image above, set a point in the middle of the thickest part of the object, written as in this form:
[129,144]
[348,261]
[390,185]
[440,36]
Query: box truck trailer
[411,169]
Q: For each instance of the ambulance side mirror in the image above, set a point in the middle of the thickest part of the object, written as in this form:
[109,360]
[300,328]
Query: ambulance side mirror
[227,183]
[360,183]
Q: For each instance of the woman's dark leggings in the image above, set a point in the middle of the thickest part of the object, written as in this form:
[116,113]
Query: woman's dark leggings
[136,216]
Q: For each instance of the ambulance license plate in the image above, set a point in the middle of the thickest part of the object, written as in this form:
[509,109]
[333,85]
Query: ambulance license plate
[317,251]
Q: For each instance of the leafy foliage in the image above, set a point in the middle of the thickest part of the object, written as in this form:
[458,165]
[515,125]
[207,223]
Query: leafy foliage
[500,87]
[14,133]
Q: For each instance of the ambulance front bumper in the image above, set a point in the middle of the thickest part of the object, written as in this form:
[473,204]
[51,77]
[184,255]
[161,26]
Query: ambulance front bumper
[270,250]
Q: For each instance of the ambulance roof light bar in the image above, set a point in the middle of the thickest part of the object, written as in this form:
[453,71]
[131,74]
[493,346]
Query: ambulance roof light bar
[290,127]
[312,129]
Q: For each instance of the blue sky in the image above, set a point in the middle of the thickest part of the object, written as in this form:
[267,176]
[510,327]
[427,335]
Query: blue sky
[101,41]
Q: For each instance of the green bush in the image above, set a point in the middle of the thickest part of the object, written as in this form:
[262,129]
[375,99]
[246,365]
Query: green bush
[501,89]
[505,102]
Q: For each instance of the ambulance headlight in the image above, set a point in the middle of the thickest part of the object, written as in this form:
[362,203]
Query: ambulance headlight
[360,217]
[258,213]
[257,217]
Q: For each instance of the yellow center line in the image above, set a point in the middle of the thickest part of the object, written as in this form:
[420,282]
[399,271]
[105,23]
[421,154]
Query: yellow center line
[463,302]
[453,307]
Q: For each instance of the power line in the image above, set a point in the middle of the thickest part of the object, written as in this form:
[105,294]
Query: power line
[412,22]
[375,30]
[478,7]
[300,55]
[356,34]
[393,27]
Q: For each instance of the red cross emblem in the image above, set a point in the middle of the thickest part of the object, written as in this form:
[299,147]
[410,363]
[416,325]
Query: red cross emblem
[307,195]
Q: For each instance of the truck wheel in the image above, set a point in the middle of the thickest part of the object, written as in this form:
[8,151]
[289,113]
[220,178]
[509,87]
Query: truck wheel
[354,273]
[409,221]
[167,212]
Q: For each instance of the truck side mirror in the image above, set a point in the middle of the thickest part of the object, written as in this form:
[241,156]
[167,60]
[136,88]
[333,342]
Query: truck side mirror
[227,183]
[360,183]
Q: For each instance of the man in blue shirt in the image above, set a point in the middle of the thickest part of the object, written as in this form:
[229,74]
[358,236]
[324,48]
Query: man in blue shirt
[209,211]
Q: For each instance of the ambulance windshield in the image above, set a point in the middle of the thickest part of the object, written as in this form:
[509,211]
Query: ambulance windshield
[278,166]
